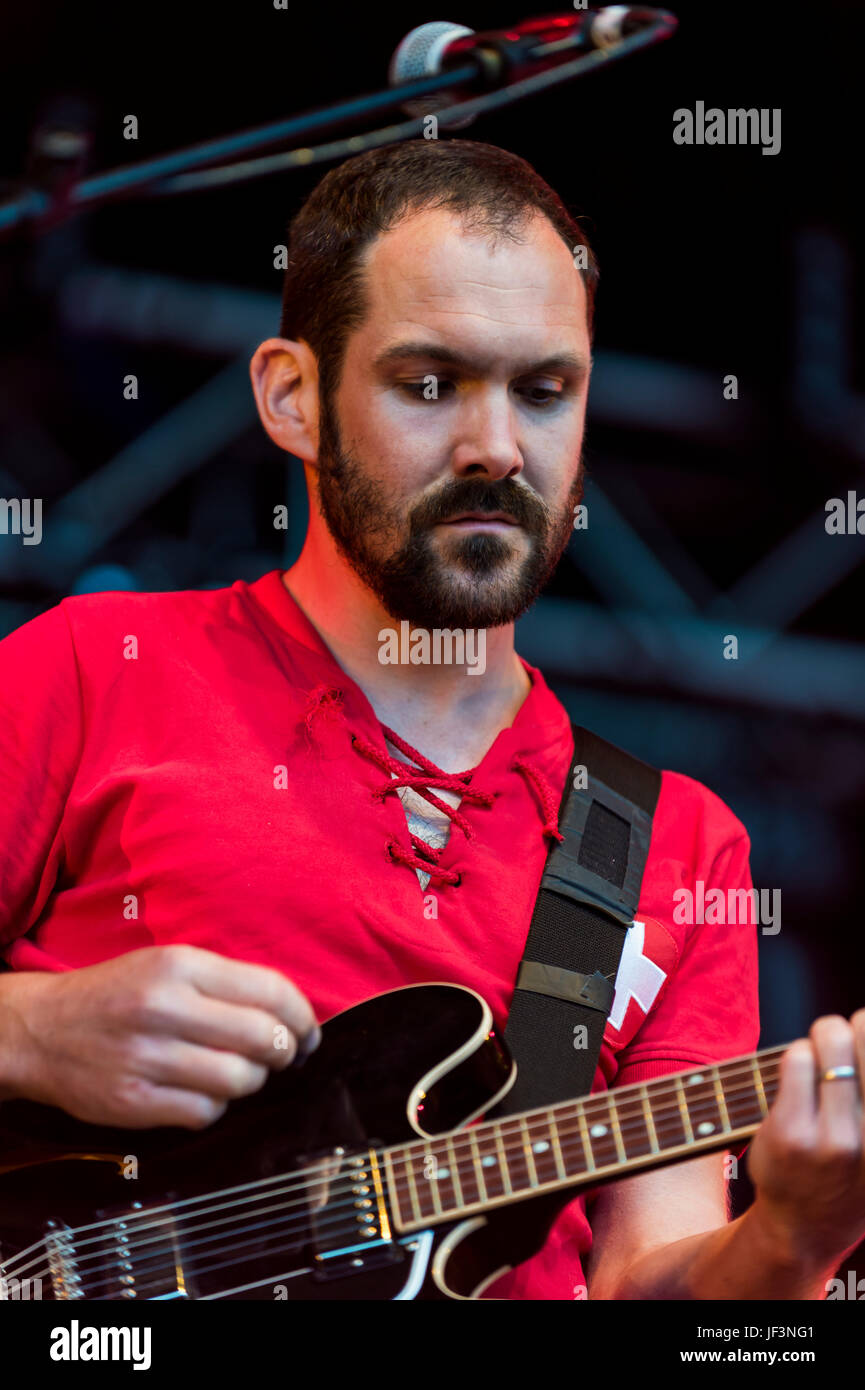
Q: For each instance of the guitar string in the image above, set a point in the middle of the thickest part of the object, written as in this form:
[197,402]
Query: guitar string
[509,1127]
[151,1278]
[460,1138]
[267,1229]
[465,1161]
[147,1278]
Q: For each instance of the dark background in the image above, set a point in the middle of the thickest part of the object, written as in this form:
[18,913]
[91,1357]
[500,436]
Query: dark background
[706,516]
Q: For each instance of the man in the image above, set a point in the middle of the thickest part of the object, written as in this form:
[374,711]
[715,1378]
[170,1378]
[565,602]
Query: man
[202,836]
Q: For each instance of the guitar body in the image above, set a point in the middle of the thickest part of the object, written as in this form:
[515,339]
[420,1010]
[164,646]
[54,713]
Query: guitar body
[278,1199]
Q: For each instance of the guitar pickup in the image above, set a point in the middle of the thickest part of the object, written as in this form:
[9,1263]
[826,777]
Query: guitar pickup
[349,1223]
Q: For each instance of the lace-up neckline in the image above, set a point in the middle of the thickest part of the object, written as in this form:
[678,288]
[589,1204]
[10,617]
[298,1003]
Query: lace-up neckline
[422,775]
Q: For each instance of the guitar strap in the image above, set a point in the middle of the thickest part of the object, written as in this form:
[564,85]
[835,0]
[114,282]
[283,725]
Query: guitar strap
[587,900]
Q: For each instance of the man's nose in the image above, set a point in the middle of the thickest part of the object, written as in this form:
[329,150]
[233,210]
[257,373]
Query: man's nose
[486,438]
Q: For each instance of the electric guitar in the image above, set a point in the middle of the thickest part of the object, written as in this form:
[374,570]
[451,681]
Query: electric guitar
[367,1173]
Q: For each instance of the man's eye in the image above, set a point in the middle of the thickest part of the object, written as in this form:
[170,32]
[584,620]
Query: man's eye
[428,389]
[541,396]
[432,388]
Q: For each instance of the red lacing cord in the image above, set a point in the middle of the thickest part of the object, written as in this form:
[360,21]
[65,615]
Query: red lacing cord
[327,699]
[324,700]
[424,856]
[420,778]
[549,800]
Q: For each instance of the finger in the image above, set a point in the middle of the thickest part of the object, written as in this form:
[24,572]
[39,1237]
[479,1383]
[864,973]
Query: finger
[838,1101]
[193,1111]
[166,1105]
[252,1033]
[182,1065]
[257,986]
[795,1106]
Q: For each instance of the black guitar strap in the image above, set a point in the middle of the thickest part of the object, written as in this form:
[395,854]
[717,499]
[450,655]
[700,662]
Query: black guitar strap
[587,900]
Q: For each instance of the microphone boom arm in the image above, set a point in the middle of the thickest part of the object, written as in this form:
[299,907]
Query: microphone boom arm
[176,173]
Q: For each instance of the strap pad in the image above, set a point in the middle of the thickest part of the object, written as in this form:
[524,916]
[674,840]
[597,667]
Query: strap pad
[588,898]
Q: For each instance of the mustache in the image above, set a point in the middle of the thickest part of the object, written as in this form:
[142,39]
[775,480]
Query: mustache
[477,495]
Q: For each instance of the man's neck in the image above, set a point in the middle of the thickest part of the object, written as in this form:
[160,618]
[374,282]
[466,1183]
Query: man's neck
[444,711]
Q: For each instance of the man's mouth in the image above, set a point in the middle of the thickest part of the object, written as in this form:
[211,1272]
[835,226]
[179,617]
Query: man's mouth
[492,521]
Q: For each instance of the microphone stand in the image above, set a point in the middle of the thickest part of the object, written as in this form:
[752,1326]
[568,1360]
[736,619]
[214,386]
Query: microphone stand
[39,208]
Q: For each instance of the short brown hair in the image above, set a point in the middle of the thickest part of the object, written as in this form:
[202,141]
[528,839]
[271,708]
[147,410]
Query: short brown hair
[492,189]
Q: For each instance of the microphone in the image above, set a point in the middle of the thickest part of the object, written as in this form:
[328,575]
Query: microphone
[502,56]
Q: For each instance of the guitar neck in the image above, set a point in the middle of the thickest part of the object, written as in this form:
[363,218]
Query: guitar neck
[580,1143]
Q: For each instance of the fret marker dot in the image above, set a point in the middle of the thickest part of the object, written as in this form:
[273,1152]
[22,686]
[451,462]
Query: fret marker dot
[598,1131]
[488,1162]
[541,1147]
[695,1079]
[706,1128]
[442,1173]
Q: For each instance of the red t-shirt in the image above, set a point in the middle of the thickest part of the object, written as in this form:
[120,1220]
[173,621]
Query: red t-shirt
[169,772]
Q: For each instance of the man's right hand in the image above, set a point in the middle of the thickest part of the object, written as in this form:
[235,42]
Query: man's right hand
[167,1035]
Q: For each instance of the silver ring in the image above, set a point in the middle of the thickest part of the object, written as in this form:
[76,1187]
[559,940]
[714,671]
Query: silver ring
[838,1074]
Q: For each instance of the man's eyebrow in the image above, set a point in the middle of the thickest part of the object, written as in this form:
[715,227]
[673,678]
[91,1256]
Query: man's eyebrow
[557,361]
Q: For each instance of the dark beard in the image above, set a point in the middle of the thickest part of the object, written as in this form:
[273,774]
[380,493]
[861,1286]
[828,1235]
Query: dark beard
[414,582]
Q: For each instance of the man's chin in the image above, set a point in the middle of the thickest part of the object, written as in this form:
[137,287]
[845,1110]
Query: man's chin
[460,605]
[480,553]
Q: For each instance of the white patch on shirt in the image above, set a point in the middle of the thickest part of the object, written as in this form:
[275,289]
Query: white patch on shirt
[638,977]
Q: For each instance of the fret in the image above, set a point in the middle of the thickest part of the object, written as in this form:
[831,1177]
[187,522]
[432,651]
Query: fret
[561,1170]
[431,1178]
[470,1178]
[462,1198]
[666,1115]
[527,1150]
[769,1063]
[437,1173]
[600,1130]
[515,1152]
[483,1194]
[683,1111]
[704,1113]
[584,1135]
[492,1161]
[503,1161]
[541,1139]
[422,1193]
[650,1122]
[416,1213]
[569,1126]
[719,1094]
[617,1130]
[632,1131]
[761,1094]
[741,1094]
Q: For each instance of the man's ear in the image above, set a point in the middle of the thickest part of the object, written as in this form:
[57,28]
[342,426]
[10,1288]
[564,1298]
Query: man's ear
[284,377]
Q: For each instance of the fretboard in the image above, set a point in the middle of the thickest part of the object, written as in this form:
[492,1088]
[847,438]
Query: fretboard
[581,1142]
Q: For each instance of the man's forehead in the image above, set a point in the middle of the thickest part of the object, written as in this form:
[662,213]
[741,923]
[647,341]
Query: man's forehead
[431,267]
